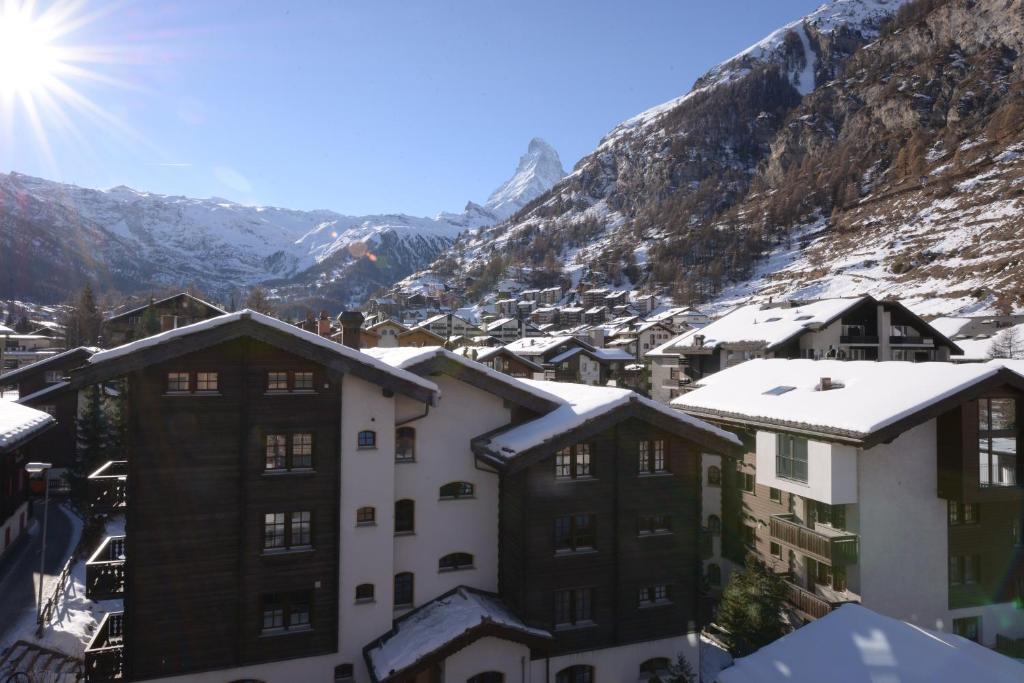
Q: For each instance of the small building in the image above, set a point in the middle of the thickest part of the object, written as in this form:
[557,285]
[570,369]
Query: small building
[171,312]
[546,315]
[645,303]
[503,360]
[20,426]
[420,336]
[388,331]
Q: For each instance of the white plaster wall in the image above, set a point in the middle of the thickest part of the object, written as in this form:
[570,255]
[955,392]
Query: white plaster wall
[443,455]
[831,471]
[820,340]
[367,553]
[660,369]
[590,370]
[488,654]
[903,557]
[1003,618]
[618,664]
[14,524]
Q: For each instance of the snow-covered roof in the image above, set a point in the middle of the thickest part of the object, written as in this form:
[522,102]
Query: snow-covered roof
[486,354]
[427,630]
[769,326]
[164,300]
[18,423]
[978,347]
[14,375]
[613,354]
[55,388]
[6,330]
[535,346]
[949,326]
[869,395]
[580,403]
[501,321]
[853,644]
[228,318]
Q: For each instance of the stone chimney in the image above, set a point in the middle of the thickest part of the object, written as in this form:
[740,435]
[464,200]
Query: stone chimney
[310,324]
[351,322]
[597,337]
[323,327]
[826,384]
[699,339]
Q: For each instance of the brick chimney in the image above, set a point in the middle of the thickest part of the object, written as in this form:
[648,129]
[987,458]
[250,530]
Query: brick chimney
[323,327]
[826,384]
[351,322]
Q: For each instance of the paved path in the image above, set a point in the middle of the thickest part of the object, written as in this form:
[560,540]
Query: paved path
[19,569]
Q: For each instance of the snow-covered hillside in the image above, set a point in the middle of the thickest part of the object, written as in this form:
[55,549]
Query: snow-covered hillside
[54,237]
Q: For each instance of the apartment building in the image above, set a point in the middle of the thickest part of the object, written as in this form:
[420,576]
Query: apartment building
[859,328]
[896,485]
[298,509]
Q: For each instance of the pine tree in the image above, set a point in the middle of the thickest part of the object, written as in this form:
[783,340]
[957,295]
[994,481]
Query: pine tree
[23,326]
[751,609]
[680,671]
[1007,344]
[149,323]
[83,320]
[93,436]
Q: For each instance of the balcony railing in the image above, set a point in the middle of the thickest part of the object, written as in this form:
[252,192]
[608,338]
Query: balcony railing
[912,340]
[104,656]
[104,571]
[108,486]
[822,543]
[809,603]
[858,339]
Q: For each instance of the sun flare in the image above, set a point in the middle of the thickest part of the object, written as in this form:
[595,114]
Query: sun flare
[29,59]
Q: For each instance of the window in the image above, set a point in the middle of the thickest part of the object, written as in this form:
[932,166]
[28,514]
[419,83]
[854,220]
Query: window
[303,381]
[456,489]
[573,462]
[791,457]
[487,677]
[404,589]
[405,516]
[53,376]
[775,495]
[277,381]
[287,611]
[715,524]
[177,381]
[968,627]
[579,673]
[776,550]
[364,592]
[963,513]
[574,606]
[344,673]
[574,532]
[207,381]
[367,439]
[997,442]
[746,482]
[657,594]
[302,451]
[287,529]
[714,574]
[280,457]
[284,381]
[714,476]
[655,524]
[405,444]
[651,457]
[749,536]
[964,569]
[454,561]
[657,669]
[366,516]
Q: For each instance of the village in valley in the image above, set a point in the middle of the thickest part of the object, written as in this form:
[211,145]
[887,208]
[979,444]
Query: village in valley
[738,398]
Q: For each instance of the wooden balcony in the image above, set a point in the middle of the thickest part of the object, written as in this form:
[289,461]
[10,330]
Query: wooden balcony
[809,603]
[104,656]
[108,486]
[858,339]
[104,571]
[822,543]
[912,341]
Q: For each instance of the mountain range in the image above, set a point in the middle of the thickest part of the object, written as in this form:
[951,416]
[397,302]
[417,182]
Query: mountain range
[872,146]
[55,237]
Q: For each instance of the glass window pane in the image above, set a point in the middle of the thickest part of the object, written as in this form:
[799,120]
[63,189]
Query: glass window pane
[303,381]
[301,528]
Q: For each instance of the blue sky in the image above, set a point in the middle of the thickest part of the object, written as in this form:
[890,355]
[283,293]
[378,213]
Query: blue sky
[364,107]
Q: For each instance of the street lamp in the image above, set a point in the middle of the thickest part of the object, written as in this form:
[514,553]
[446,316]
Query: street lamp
[36,468]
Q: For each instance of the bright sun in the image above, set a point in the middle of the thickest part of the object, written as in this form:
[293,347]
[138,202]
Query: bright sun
[29,59]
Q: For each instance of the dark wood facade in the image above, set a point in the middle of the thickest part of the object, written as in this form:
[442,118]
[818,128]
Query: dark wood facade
[174,311]
[197,492]
[623,561]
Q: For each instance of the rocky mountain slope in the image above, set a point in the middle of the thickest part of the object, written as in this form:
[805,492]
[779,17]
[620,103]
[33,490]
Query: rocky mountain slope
[55,237]
[872,146]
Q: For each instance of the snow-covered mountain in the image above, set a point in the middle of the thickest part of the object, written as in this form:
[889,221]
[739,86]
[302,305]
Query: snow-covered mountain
[54,237]
[872,146]
[538,171]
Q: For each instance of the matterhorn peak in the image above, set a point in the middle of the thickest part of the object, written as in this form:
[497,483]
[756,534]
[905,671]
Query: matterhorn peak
[538,171]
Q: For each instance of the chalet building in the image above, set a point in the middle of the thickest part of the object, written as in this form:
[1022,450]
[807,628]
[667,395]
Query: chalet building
[682,318]
[545,315]
[593,366]
[447,325]
[503,360]
[43,386]
[19,350]
[384,307]
[650,334]
[977,336]
[860,328]
[20,428]
[420,336]
[509,329]
[387,331]
[318,324]
[333,506]
[895,485]
[174,311]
